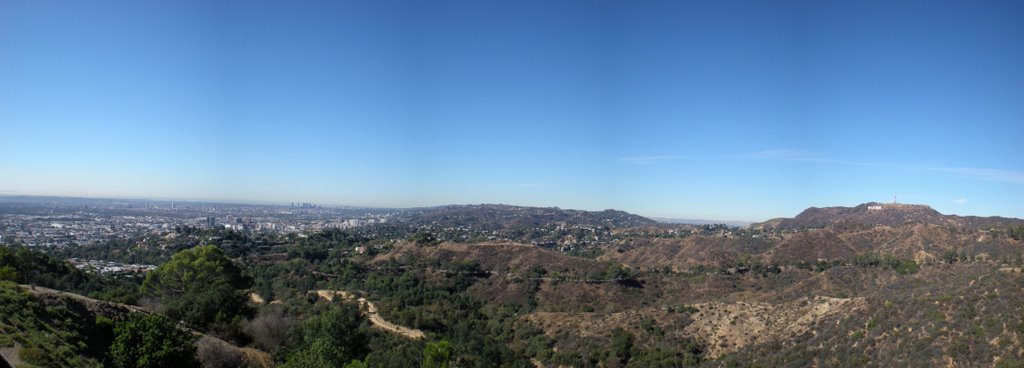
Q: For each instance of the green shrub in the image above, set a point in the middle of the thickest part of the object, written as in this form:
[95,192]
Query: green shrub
[151,341]
[906,267]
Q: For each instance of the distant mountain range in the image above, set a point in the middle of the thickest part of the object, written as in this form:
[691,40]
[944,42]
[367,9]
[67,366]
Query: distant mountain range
[487,217]
[500,216]
[504,217]
[906,231]
[874,213]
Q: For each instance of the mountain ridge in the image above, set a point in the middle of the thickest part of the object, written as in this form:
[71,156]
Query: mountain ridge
[888,214]
[502,216]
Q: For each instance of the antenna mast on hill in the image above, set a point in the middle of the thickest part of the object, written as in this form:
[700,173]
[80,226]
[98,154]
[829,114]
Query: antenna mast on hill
[894,198]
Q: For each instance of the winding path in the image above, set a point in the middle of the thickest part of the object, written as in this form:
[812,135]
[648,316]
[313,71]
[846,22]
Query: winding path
[377,320]
[370,310]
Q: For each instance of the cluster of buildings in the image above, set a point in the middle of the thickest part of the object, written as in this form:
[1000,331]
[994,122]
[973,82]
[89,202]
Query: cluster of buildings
[78,222]
[111,268]
[67,229]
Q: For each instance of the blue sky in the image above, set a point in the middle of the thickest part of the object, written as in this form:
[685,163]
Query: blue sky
[699,109]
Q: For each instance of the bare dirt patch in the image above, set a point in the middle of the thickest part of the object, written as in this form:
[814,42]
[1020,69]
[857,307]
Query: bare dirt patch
[721,327]
[728,327]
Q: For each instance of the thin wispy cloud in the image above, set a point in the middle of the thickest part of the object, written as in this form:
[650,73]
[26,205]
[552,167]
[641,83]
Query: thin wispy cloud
[650,160]
[797,156]
[780,154]
[1006,176]
[986,174]
[960,201]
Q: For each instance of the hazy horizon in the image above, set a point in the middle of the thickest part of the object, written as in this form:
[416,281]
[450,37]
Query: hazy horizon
[726,111]
[667,219]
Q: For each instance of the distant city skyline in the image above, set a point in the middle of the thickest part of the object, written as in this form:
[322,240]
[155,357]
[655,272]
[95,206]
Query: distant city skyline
[676,109]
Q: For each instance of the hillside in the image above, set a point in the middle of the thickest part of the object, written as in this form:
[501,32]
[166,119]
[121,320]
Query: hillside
[48,322]
[861,289]
[488,217]
[839,242]
[867,312]
[684,253]
[874,213]
[496,257]
[83,325]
